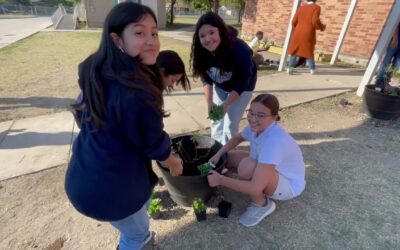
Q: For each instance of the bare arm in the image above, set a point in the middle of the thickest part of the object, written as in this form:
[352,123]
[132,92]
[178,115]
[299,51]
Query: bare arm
[208,92]
[253,187]
[233,96]
[231,144]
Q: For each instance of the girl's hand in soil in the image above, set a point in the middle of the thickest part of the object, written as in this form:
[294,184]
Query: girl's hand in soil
[214,178]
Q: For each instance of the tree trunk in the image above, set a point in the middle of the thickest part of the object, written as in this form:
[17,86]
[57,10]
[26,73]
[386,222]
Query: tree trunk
[215,6]
[171,12]
[241,11]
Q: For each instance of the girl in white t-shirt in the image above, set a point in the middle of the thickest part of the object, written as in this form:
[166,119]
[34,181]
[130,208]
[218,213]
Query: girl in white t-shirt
[274,167]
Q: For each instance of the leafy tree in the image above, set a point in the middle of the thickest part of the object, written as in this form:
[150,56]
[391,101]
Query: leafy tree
[205,4]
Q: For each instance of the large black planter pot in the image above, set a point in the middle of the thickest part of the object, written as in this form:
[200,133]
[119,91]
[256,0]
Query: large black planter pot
[379,105]
[183,189]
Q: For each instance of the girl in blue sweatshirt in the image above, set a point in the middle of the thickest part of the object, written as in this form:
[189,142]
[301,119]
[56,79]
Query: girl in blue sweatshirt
[225,65]
[109,177]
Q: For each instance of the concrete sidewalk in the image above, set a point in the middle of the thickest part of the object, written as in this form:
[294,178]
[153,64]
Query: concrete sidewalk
[12,30]
[37,143]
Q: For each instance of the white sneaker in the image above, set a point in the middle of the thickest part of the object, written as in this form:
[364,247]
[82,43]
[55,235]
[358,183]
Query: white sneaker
[312,71]
[290,70]
[255,213]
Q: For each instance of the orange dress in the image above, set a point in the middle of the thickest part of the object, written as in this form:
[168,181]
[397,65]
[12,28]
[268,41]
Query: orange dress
[305,23]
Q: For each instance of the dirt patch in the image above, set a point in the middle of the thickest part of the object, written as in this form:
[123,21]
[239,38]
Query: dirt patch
[351,198]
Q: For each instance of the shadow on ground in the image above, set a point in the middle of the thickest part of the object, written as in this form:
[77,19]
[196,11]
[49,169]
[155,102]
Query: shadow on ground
[35,101]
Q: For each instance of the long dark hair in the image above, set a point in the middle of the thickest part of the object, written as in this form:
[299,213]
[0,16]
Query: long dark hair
[201,58]
[172,64]
[109,64]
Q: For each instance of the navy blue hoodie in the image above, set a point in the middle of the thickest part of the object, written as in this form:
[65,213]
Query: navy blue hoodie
[243,76]
[109,176]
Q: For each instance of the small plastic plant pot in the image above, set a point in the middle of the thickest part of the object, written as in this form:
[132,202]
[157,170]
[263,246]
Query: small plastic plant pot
[201,216]
[224,208]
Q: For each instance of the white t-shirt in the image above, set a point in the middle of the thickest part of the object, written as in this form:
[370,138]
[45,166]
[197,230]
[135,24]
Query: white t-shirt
[255,43]
[276,147]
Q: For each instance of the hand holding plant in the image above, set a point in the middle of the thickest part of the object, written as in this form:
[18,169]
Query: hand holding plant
[214,178]
[216,112]
[205,168]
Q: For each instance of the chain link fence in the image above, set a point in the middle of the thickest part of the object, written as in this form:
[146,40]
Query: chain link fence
[30,10]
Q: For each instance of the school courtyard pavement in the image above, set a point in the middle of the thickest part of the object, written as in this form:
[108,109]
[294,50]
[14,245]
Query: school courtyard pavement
[12,30]
[33,144]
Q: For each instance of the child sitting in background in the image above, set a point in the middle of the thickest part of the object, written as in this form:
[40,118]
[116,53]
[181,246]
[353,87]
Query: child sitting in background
[255,46]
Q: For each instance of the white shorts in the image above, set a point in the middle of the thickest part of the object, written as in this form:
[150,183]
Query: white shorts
[283,190]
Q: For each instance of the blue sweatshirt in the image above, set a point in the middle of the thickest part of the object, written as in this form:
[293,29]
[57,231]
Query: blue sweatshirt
[109,176]
[243,76]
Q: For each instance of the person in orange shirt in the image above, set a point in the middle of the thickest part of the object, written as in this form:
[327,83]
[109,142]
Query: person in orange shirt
[305,23]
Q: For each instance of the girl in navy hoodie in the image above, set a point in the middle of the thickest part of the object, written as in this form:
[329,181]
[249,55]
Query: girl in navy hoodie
[109,177]
[225,65]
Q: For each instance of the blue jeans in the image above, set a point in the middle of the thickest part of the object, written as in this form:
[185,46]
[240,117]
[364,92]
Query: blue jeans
[392,57]
[133,229]
[228,126]
[310,62]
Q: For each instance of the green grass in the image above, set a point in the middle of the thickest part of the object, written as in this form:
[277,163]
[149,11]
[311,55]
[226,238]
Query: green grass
[180,47]
[43,53]
[47,52]
[182,22]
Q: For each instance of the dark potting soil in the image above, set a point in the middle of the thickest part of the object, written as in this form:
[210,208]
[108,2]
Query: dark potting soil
[194,154]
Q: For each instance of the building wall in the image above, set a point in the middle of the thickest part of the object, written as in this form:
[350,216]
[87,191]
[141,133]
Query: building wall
[97,10]
[158,6]
[272,17]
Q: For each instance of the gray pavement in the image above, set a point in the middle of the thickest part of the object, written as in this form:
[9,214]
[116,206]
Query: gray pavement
[42,142]
[12,30]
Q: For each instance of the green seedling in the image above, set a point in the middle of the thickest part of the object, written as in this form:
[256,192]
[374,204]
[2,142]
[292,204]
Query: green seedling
[155,206]
[198,205]
[216,112]
[205,168]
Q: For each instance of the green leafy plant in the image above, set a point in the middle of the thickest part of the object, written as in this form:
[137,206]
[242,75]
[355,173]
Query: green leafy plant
[155,206]
[216,112]
[391,72]
[198,205]
[205,168]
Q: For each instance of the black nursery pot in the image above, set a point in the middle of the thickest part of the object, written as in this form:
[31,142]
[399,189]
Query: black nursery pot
[201,216]
[224,208]
[381,106]
[183,189]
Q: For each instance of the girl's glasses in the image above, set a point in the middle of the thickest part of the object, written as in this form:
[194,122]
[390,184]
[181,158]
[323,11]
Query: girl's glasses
[258,116]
